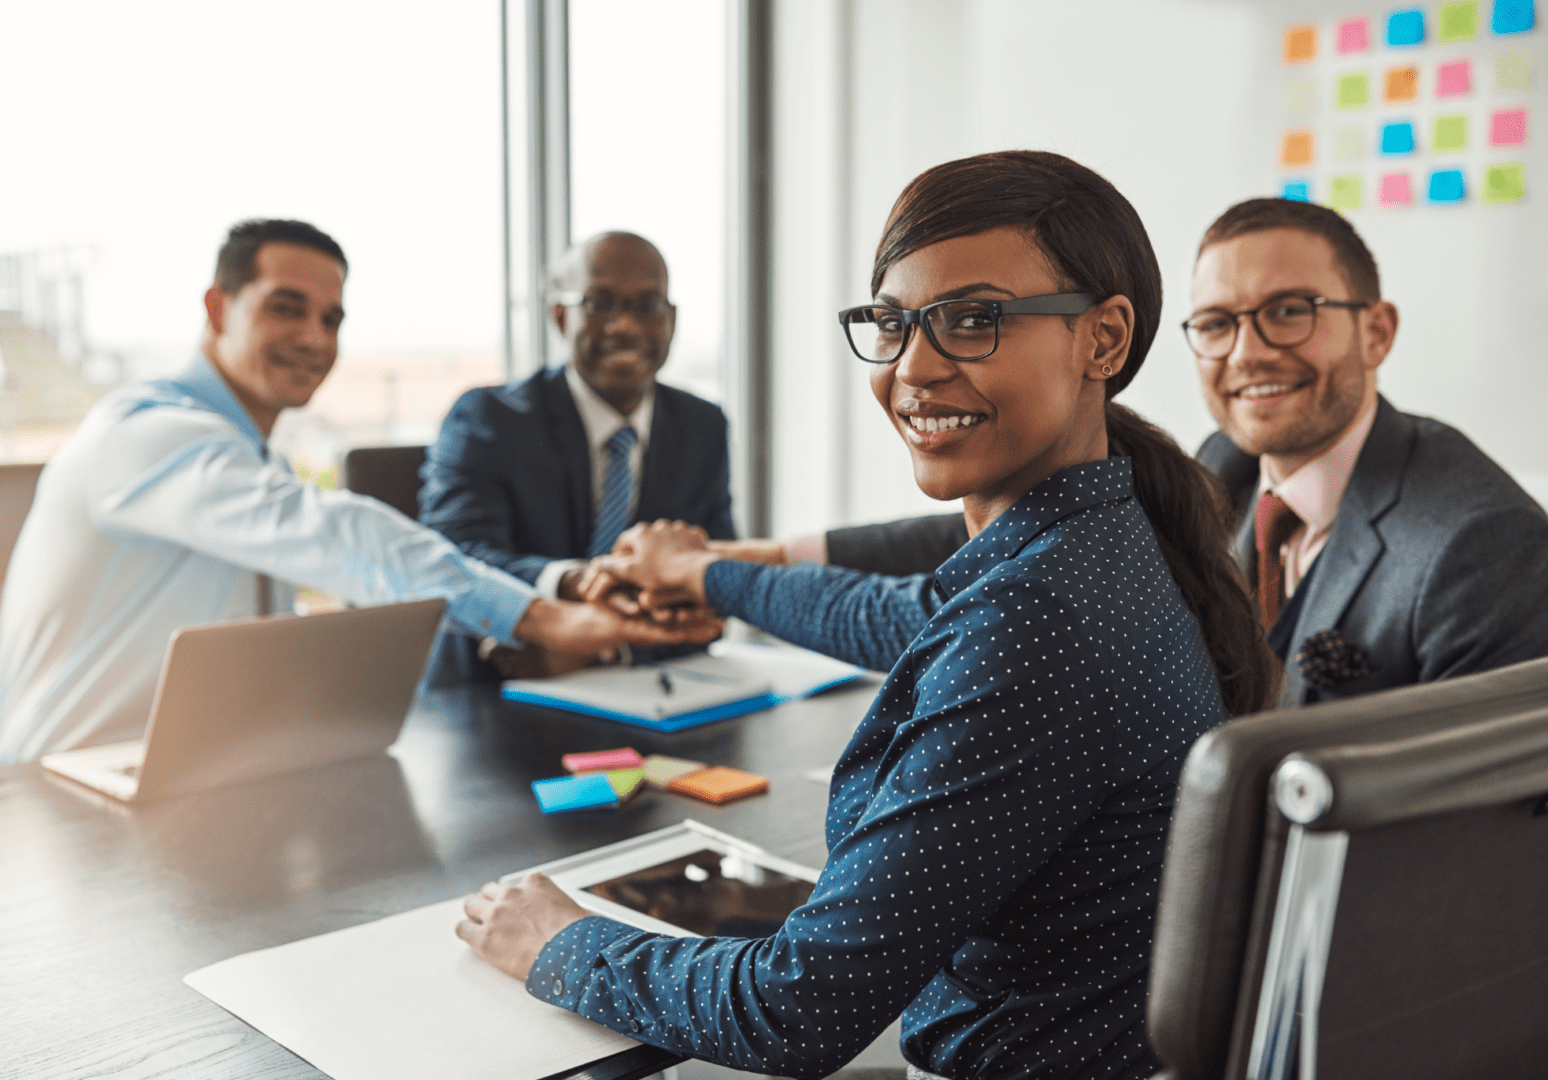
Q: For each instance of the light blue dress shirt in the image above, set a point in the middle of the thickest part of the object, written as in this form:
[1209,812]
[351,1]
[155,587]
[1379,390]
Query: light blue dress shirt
[161,512]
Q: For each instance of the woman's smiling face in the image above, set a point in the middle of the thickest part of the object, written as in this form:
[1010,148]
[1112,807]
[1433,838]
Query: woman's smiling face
[1006,423]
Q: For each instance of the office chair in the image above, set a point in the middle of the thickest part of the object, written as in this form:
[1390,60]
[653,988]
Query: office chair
[1359,889]
[17,485]
[388,473]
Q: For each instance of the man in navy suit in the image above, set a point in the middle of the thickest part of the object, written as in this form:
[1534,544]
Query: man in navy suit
[1385,548]
[540,476]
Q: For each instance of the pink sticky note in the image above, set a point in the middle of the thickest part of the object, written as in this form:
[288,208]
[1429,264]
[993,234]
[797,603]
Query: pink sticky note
[1454,78]
[1396,190]
[602,760]
[1354,35]
[1507,127]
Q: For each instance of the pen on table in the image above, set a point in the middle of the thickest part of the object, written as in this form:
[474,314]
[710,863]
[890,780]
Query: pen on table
[665,680]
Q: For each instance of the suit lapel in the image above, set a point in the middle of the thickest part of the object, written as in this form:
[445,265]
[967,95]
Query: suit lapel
[1354,544]
[663,460]
[569,435]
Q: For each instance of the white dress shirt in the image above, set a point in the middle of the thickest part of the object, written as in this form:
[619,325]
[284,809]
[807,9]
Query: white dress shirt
[601,420]
[160,512]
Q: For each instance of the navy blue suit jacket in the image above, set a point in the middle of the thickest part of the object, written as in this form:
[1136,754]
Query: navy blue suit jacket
[509,477]
[1437,565]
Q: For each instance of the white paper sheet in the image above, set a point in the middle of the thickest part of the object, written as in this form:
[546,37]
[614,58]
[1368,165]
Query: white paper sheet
[794,672]
[402,998]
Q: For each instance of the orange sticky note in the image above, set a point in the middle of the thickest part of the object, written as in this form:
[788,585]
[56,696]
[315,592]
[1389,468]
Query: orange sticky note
[1296,150]
[1401,84]
[1300,43]
[720,784]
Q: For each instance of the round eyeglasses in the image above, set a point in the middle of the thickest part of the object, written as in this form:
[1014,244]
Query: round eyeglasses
[958,329]
[1283,322]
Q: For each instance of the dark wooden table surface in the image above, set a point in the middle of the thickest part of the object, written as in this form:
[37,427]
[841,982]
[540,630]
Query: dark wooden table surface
[104,908]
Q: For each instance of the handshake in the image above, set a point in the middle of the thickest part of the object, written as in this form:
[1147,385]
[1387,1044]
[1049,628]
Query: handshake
[649,591]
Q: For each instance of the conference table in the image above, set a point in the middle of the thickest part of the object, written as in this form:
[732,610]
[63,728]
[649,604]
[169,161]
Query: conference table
[105,907]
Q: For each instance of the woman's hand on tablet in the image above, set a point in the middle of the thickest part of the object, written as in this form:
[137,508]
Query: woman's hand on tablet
[508,925]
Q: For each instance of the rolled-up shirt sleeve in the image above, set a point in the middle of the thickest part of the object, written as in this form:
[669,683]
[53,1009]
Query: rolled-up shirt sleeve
[979,784]
[188,477]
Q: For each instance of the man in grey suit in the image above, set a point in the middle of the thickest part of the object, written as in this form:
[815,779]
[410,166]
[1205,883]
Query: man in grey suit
[1386,549]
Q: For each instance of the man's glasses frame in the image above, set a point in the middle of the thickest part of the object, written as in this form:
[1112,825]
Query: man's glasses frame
[1287,340]
[650,306]
[1046,304]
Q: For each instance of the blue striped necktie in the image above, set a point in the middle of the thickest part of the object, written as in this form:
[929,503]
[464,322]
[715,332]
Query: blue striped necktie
[617,493]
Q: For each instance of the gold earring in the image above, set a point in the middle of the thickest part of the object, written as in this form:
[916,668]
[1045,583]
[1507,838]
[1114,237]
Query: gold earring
[1107,369]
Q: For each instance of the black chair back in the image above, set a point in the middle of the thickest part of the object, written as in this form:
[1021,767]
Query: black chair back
[388,473]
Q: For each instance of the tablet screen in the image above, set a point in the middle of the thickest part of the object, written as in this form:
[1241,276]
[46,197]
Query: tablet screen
[711,894]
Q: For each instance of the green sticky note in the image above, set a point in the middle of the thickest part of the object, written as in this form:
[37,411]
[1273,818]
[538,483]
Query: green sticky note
[1353,91]
[1459,21]
[1450,133]
[1513,71]
[1348,193]
[1505,183]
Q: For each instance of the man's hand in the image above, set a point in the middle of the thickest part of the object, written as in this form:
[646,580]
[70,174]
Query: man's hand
[666,560]
[769,552]
[589,629]
[508,925]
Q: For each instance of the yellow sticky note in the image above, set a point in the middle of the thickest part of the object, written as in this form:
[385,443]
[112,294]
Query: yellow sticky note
[1513,71]
[1349,143]
[1301,43]
[1505,183]
[1450,133]
[1353,91]
[1300,96]
[1348,193]
[1458,21]
[1296,149]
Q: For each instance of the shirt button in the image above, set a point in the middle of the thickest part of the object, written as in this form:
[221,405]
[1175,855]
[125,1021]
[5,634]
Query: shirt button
[634,1025]
[558,986]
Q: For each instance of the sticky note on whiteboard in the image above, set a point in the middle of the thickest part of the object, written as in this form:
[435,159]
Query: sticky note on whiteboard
[1507,127]
[1405,28]
[1513,16]
[1347,193]
[1397,189]
[1447,186]
[1397,138]
[1301,43]
[1450,133]
[1300,96]
[1296,149]
[1296,191]
[1458,21]
[1401,84]
[1505,183]
[1353,90]
[1454,79]
[1512,71]
[1350,142]
[1354,35]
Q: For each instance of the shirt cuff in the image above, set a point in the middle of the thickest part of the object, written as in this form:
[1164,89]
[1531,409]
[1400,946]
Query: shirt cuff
[812,548]
[494,605]
[559,975]
[547,585]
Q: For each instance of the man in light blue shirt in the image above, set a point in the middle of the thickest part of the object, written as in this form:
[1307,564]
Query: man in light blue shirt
[167,508]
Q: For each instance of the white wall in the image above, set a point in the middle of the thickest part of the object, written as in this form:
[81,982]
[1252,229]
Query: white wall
[1176,102]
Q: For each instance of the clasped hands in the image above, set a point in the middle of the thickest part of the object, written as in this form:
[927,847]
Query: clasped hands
[649,591]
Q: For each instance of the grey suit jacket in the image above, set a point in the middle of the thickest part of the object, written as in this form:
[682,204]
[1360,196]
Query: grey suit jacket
[1437,564]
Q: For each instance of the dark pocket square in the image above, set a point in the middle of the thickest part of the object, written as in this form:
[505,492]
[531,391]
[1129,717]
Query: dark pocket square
[1328,658]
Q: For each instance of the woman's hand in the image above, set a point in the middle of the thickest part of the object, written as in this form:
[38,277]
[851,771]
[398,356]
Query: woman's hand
[666,560]
[508,925]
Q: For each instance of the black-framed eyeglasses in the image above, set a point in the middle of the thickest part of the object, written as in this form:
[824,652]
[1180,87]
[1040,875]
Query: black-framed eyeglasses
[602,304]
[1283,322]
[959,329]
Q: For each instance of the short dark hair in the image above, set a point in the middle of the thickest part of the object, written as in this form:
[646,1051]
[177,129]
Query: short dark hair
[237,263]
[1354,259]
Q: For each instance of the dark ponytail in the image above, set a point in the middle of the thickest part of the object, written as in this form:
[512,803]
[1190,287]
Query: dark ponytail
[1189,509]
[1095,241]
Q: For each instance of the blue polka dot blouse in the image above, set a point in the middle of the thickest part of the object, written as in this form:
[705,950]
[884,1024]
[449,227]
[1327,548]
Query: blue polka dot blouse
[995,827]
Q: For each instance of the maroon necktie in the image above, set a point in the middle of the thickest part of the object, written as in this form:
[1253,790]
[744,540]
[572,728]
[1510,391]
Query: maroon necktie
[1275,522]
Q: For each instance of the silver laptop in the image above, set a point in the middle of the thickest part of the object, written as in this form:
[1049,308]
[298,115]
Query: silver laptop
[257,697]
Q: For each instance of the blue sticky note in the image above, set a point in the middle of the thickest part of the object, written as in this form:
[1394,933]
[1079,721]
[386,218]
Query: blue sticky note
[1397,138]
[1297,190]
[1513,16]
[1406,27]
[1447,185]
[589,792]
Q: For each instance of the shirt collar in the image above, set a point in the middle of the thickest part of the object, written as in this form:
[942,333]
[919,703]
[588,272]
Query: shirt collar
[600,419]
[1062,494]
[1315,489]
[204,384]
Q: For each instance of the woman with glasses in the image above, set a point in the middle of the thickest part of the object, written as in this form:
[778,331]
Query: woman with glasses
[997,824]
